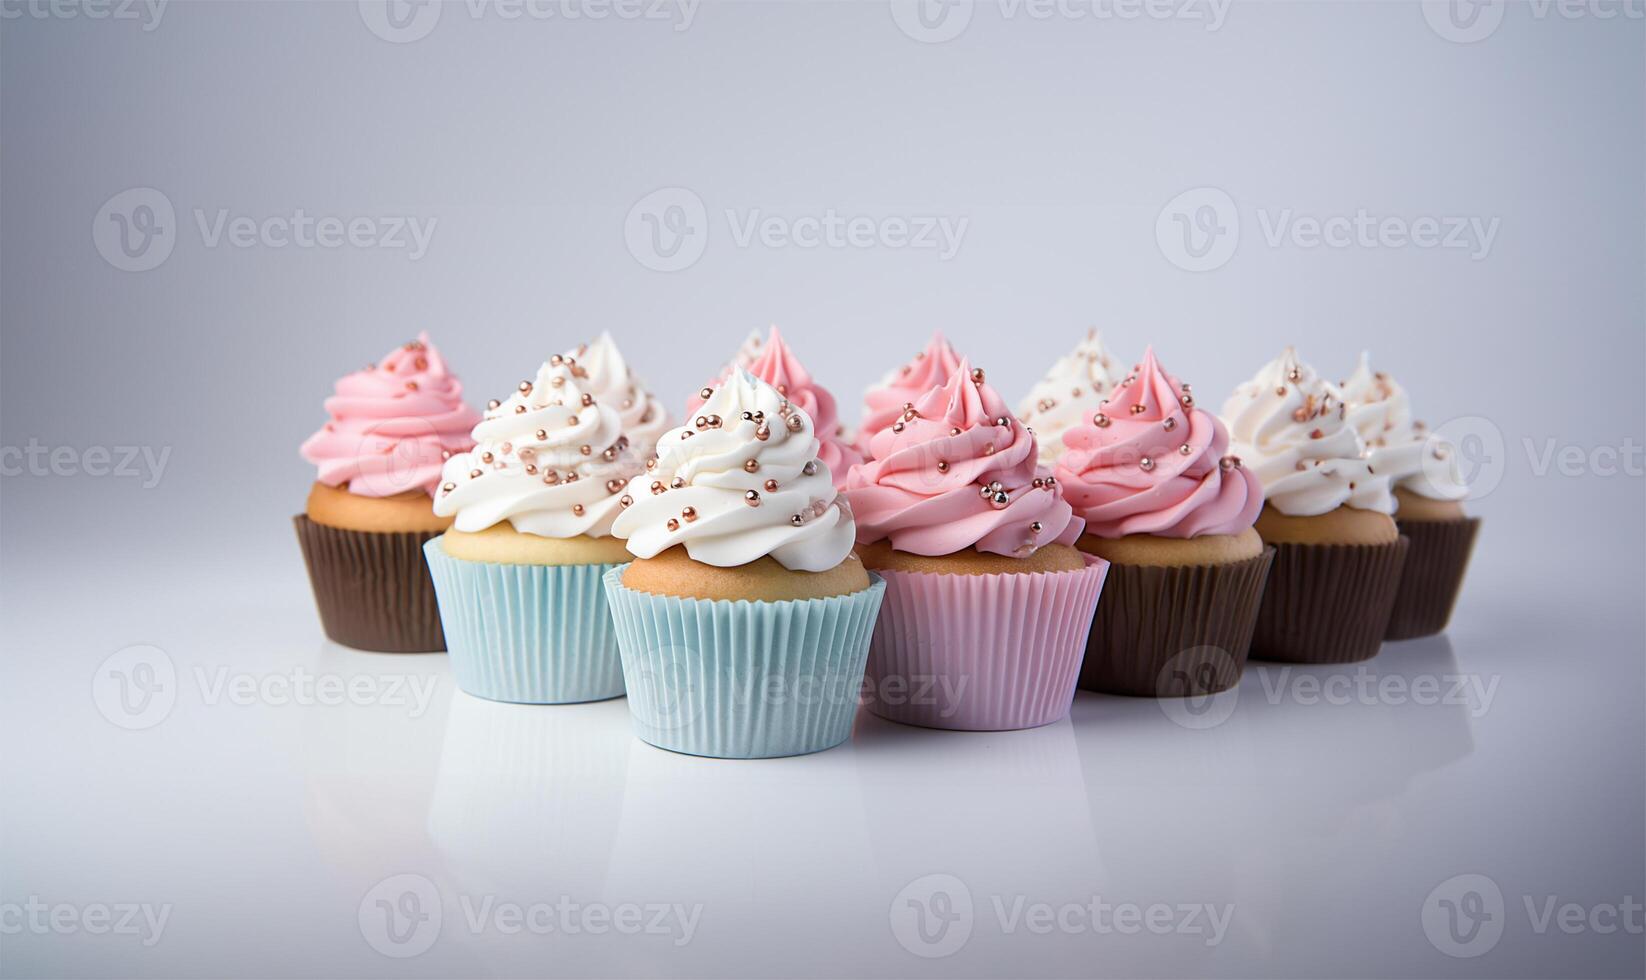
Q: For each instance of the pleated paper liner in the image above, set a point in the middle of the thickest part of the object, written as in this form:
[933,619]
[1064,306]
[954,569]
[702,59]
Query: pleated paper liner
[981,652]
[1433,577]
[1174,631]
[530,634]
[371,587]
[1328,603]
[742,679]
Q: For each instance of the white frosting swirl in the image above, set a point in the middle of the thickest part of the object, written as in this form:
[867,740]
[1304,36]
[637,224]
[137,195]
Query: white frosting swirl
[611,381]
[1396,444]
[1069,393]
[1288,426]
[551,460]
[744,484]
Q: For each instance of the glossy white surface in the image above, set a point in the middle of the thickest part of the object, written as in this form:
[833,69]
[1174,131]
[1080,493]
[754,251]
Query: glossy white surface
[1319,824]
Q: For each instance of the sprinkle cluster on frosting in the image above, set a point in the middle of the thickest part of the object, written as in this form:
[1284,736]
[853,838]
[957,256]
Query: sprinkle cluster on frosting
[955,470]
[1149,461]
[884,403]
[551,460]
[1290,426]
[1069,393]
[776,365]
[392,424]
[1398,446]
[741,482]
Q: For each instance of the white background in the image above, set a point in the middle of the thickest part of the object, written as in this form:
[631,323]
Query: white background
[1062,142]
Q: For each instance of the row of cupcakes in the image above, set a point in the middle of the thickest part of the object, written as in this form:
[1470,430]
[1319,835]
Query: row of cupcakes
[737,576]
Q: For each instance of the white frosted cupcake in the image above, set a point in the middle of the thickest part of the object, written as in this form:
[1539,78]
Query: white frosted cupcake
[518,575]
[1429,491]
[1338,554]
[744,620]
[1069,393]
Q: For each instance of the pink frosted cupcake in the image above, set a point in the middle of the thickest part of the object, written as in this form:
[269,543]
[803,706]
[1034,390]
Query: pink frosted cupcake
[1172,511]
[370,510]
[988,602]
[883,404]
[774,363]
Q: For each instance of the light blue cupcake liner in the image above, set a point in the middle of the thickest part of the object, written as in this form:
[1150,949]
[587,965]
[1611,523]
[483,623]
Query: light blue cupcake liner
[741,679]
[534,634]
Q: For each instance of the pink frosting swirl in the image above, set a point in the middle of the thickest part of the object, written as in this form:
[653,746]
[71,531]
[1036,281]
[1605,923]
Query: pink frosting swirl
[1149,462]
[957,471]
[776,365]
[929,369]
[392,424]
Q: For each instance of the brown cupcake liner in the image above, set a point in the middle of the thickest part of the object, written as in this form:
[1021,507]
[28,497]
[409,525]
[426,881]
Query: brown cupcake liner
[1433,575]
[1328,603]
[372,588]
[1174,632]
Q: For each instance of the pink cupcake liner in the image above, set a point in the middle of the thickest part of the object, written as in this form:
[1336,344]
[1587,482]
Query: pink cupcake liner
[981,652]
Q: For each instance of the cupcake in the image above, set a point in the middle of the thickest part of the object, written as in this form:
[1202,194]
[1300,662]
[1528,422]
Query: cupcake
[744,619]
[1429,493]
[776,365]
[988,602]
[378,460]
[1172,511]
[884,404]
[1338,554]
[1069,394]
[519,572]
